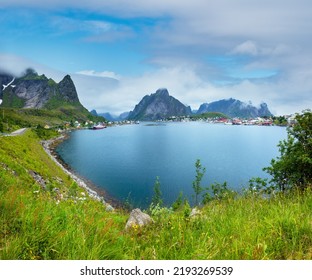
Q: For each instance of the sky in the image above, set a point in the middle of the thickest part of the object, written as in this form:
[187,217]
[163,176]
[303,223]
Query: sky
[118,51]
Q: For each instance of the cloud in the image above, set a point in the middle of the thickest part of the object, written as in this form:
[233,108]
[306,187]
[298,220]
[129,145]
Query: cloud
[248,47]
[191,89]
[103,92]
[201,50]
[90,30]
[16,65]
[104,74]
[253,49]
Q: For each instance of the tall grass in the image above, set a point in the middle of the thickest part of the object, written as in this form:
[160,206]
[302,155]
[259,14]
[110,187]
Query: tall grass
[38,223]
[243,228]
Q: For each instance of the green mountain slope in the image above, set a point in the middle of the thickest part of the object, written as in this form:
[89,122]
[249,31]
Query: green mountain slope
[39,92]
[34,99]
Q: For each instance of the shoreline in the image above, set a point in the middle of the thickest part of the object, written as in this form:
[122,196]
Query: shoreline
[94,192]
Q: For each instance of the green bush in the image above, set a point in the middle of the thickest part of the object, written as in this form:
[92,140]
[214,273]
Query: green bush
[293,168]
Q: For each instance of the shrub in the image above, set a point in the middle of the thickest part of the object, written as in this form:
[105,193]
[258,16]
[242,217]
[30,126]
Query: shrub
[293,168]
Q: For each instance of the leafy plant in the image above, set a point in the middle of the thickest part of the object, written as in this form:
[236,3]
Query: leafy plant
[200,171]
[219,192]
[159,212]
[157,198]
[178,203]
[293,168]
[186,209]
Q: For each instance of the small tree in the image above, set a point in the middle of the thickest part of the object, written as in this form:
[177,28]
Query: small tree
[157,198]
[178,203]
[293,168]
[200,171]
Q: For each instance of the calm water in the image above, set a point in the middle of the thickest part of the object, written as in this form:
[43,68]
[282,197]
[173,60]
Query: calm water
[126,160]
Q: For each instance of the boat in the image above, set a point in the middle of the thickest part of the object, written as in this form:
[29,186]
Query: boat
[98,126]
[236,122]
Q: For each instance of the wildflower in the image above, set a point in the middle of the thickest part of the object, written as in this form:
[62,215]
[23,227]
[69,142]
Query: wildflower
[135,227]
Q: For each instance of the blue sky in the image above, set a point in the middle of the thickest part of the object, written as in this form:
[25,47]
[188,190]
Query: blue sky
[117,51]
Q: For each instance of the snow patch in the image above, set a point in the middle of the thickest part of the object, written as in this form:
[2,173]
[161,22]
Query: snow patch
[5,86]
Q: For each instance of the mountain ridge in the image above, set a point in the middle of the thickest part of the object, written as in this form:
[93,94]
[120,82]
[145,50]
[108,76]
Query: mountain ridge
[235,108]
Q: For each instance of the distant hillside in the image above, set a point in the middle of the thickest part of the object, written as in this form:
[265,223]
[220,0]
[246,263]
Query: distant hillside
[158,105]
[235,108]
[112,118]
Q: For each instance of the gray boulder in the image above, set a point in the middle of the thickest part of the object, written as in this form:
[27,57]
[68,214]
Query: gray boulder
[138,218]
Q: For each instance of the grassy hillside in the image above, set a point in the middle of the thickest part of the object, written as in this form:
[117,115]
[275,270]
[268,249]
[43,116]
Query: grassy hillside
[12,119]
[52,218]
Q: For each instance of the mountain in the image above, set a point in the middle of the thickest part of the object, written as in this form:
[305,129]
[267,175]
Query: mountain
[113,118]
[94,113]
[158,105]
[32,100]
[38,92]
[235,108]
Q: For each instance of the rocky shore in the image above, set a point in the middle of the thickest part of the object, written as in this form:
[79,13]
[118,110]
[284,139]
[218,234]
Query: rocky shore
[49,147]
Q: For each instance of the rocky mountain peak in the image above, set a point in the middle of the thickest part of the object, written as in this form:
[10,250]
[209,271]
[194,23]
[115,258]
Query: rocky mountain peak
[162,92]
[68,89]
[158,105]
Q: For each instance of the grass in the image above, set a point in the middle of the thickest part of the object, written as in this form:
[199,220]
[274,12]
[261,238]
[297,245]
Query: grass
[60,221]
[243,228]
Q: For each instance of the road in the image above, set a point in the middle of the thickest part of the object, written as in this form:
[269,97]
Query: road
[17,132]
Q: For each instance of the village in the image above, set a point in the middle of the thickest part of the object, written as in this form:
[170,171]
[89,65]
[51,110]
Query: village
[287,120]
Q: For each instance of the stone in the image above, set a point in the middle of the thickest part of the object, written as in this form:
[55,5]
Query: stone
[195,213]
[138,218]
[38,178]
[109,208]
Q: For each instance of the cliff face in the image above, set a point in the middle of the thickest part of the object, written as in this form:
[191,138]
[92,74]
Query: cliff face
[67,90]
[235,108]
[158,105]
[34,91]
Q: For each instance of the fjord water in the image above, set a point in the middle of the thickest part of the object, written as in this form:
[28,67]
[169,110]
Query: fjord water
[125,160]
